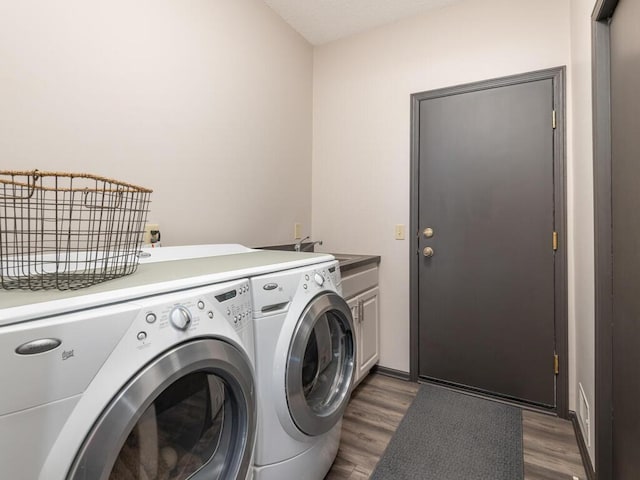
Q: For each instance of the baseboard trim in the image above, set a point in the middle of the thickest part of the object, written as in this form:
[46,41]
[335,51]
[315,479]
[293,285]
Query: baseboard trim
[582,446]
[390,372]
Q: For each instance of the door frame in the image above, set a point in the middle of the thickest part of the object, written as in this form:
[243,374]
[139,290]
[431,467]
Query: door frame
[602,199]
[557,75]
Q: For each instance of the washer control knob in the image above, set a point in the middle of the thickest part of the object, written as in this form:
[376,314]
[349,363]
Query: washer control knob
[319,279]
[142,336]
[151,317]
[180,318]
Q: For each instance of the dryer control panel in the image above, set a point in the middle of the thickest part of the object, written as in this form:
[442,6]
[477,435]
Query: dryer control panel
[321,277]
[273,293]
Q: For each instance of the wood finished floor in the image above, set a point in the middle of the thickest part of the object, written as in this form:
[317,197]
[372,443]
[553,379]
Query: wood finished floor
[379,403]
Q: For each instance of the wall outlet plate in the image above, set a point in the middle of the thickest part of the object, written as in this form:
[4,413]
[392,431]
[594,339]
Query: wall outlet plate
[148,228]
[297,231]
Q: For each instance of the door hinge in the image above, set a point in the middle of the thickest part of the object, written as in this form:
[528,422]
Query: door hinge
[553,119]
[556,364]
[554,241]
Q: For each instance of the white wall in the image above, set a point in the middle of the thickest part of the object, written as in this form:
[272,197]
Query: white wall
[207,102]
[581,265]
[361,124]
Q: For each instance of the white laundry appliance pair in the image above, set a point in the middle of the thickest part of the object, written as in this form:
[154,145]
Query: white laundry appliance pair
[305,359]
[151,376]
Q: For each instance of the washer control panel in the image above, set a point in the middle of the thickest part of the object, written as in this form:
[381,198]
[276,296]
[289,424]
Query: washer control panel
[196,311]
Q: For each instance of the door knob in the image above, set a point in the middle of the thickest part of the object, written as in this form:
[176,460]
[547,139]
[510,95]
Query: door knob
[427,252]
[428,232]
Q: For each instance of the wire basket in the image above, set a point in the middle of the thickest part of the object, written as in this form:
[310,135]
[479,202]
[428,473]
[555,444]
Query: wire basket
[68,230]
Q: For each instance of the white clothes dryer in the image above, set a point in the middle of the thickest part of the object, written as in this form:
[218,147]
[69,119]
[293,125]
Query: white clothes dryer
[148,387]
[305,358]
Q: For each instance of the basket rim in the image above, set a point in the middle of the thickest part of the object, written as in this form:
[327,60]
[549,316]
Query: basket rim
[38,173]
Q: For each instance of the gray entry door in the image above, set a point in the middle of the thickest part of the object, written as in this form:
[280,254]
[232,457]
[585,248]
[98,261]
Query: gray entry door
[486,189]
[625,171]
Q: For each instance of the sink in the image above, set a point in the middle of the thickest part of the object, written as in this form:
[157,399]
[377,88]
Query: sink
[341,257]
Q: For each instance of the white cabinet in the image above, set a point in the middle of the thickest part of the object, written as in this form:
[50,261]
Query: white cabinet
[366,318]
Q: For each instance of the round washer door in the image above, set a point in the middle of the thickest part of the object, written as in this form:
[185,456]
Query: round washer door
[189,414]
[321,364]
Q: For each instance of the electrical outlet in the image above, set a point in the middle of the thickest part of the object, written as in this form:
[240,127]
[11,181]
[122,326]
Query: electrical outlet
[148,228]
[297,231]
[399,232]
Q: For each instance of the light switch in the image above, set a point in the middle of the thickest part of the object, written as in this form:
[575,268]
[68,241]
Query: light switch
[400,232]
[297,231]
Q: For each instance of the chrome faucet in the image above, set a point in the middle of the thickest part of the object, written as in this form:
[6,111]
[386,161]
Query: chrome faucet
[298,246]
[313,244]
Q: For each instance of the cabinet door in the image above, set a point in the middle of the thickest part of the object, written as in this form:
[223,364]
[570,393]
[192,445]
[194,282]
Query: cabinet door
[354,305]
[369,330]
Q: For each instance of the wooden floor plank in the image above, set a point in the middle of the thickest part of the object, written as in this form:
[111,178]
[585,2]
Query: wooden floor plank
[536,472]
[341,469]
[379,403]
[549,444]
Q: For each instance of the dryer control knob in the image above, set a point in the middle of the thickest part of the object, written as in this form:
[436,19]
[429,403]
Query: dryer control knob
[180,318]
[319,279]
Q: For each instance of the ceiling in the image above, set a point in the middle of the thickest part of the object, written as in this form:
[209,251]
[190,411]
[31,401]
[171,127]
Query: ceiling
[322,21]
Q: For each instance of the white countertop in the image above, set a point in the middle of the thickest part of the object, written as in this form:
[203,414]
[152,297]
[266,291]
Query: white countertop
[160,275]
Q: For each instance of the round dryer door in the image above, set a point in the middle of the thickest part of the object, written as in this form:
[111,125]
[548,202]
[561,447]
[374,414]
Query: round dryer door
[321,364]
[190,414]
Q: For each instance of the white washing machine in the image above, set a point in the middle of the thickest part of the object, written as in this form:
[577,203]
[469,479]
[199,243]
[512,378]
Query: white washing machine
[146,387]
[305,359]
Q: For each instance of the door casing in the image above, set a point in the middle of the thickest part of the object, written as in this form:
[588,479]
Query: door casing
[601,74]
[557,75]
